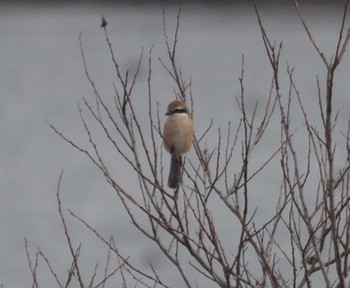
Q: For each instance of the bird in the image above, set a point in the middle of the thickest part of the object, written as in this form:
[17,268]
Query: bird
[177,138]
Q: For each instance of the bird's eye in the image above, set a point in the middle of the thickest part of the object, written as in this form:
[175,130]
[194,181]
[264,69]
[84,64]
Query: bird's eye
[179,110]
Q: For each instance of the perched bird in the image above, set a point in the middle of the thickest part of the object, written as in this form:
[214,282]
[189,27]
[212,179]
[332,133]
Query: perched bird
[177,138]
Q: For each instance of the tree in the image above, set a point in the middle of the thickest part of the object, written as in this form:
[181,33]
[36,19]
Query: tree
[305,241]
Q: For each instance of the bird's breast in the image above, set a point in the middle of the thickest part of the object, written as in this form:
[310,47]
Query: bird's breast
[178,134]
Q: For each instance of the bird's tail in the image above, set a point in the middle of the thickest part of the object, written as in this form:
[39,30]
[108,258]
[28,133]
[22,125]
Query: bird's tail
[175,177]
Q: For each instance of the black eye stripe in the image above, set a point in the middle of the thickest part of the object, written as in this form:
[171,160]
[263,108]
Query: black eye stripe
[179,110]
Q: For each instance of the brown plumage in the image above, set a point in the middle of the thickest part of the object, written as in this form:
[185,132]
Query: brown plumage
[177,138]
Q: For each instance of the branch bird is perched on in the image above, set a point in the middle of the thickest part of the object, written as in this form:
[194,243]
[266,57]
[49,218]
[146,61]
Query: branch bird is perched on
[177,138]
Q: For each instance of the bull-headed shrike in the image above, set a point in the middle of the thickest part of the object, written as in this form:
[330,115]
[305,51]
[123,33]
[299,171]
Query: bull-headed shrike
[177,138]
